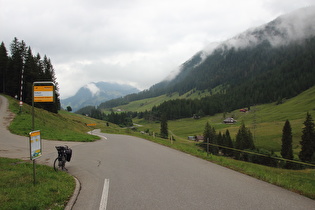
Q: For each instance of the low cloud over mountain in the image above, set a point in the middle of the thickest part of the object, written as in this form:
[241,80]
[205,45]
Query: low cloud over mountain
[93,94]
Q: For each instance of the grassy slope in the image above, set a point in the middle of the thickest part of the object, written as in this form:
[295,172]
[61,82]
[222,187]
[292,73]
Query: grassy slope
[147,104]
[265,121]
[63,126]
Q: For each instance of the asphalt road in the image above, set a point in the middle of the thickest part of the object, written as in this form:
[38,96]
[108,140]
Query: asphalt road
[138,174]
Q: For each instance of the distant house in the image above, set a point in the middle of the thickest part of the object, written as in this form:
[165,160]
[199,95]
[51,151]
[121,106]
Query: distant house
[193,138]
[199,138]
[229,120]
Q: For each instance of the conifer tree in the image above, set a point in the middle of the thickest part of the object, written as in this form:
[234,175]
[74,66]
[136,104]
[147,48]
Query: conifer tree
[308,140]
[209,135]
[15,66]
[19,70]
[286,149]
[220,140]
[3,66]
[164,127]
[214,140]
[227,141]
[30,76]
[244,138]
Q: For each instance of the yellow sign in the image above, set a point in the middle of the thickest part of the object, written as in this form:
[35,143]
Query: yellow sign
[44,93]
[35,133]
[91,124]
[35,145]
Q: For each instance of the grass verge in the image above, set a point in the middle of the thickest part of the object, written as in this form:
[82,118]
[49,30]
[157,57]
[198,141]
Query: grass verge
[17,189]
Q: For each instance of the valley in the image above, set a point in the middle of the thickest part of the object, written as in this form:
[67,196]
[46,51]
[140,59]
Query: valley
[265,121]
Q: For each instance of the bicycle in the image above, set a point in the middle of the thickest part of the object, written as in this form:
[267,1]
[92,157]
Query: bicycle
[64,154]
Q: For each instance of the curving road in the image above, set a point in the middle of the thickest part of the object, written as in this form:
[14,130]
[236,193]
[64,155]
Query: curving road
[124,172]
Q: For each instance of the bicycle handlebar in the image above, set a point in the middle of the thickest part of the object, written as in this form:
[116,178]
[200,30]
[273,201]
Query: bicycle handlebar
[61,147]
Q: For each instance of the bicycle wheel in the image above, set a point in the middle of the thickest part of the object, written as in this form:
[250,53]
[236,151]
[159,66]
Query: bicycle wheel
[56,164]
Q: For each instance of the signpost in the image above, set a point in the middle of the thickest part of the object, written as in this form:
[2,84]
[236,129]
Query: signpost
[42,92]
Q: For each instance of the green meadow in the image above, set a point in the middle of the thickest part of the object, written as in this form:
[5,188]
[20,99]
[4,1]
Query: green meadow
[147,104]
[265,122]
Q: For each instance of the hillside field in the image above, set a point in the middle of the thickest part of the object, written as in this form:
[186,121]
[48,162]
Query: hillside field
[265,121]
[148,103]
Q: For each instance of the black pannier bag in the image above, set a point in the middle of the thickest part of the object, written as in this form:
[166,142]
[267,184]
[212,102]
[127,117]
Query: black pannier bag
[68,154]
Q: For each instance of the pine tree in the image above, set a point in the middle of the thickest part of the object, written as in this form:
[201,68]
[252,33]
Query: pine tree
[213,140]
[244,138]
[164,128]
[19,70]
[308,140]
[207,131]
[3,66]
[209,135]
[30,76]
[286,149]
[220,140]
[15,66]
[227,141]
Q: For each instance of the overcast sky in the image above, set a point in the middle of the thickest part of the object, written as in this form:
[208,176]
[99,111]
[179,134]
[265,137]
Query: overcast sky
[137,42]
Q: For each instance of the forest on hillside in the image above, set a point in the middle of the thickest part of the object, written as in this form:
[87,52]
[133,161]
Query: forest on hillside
[246,77]
[20,68]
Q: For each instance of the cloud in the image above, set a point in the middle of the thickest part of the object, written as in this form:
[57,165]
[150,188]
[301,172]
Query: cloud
[292,26]
[93,88]
[135,42]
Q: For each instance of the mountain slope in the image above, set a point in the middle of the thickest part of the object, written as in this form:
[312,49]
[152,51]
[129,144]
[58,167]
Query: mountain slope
[261,65]
[247,54]
[93,94]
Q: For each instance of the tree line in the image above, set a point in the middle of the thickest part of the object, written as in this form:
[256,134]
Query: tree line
[123,119]
[20,68]
[222,144]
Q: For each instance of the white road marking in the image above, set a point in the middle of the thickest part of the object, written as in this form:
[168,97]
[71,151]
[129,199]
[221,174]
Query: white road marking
[103,203]
[91,133]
